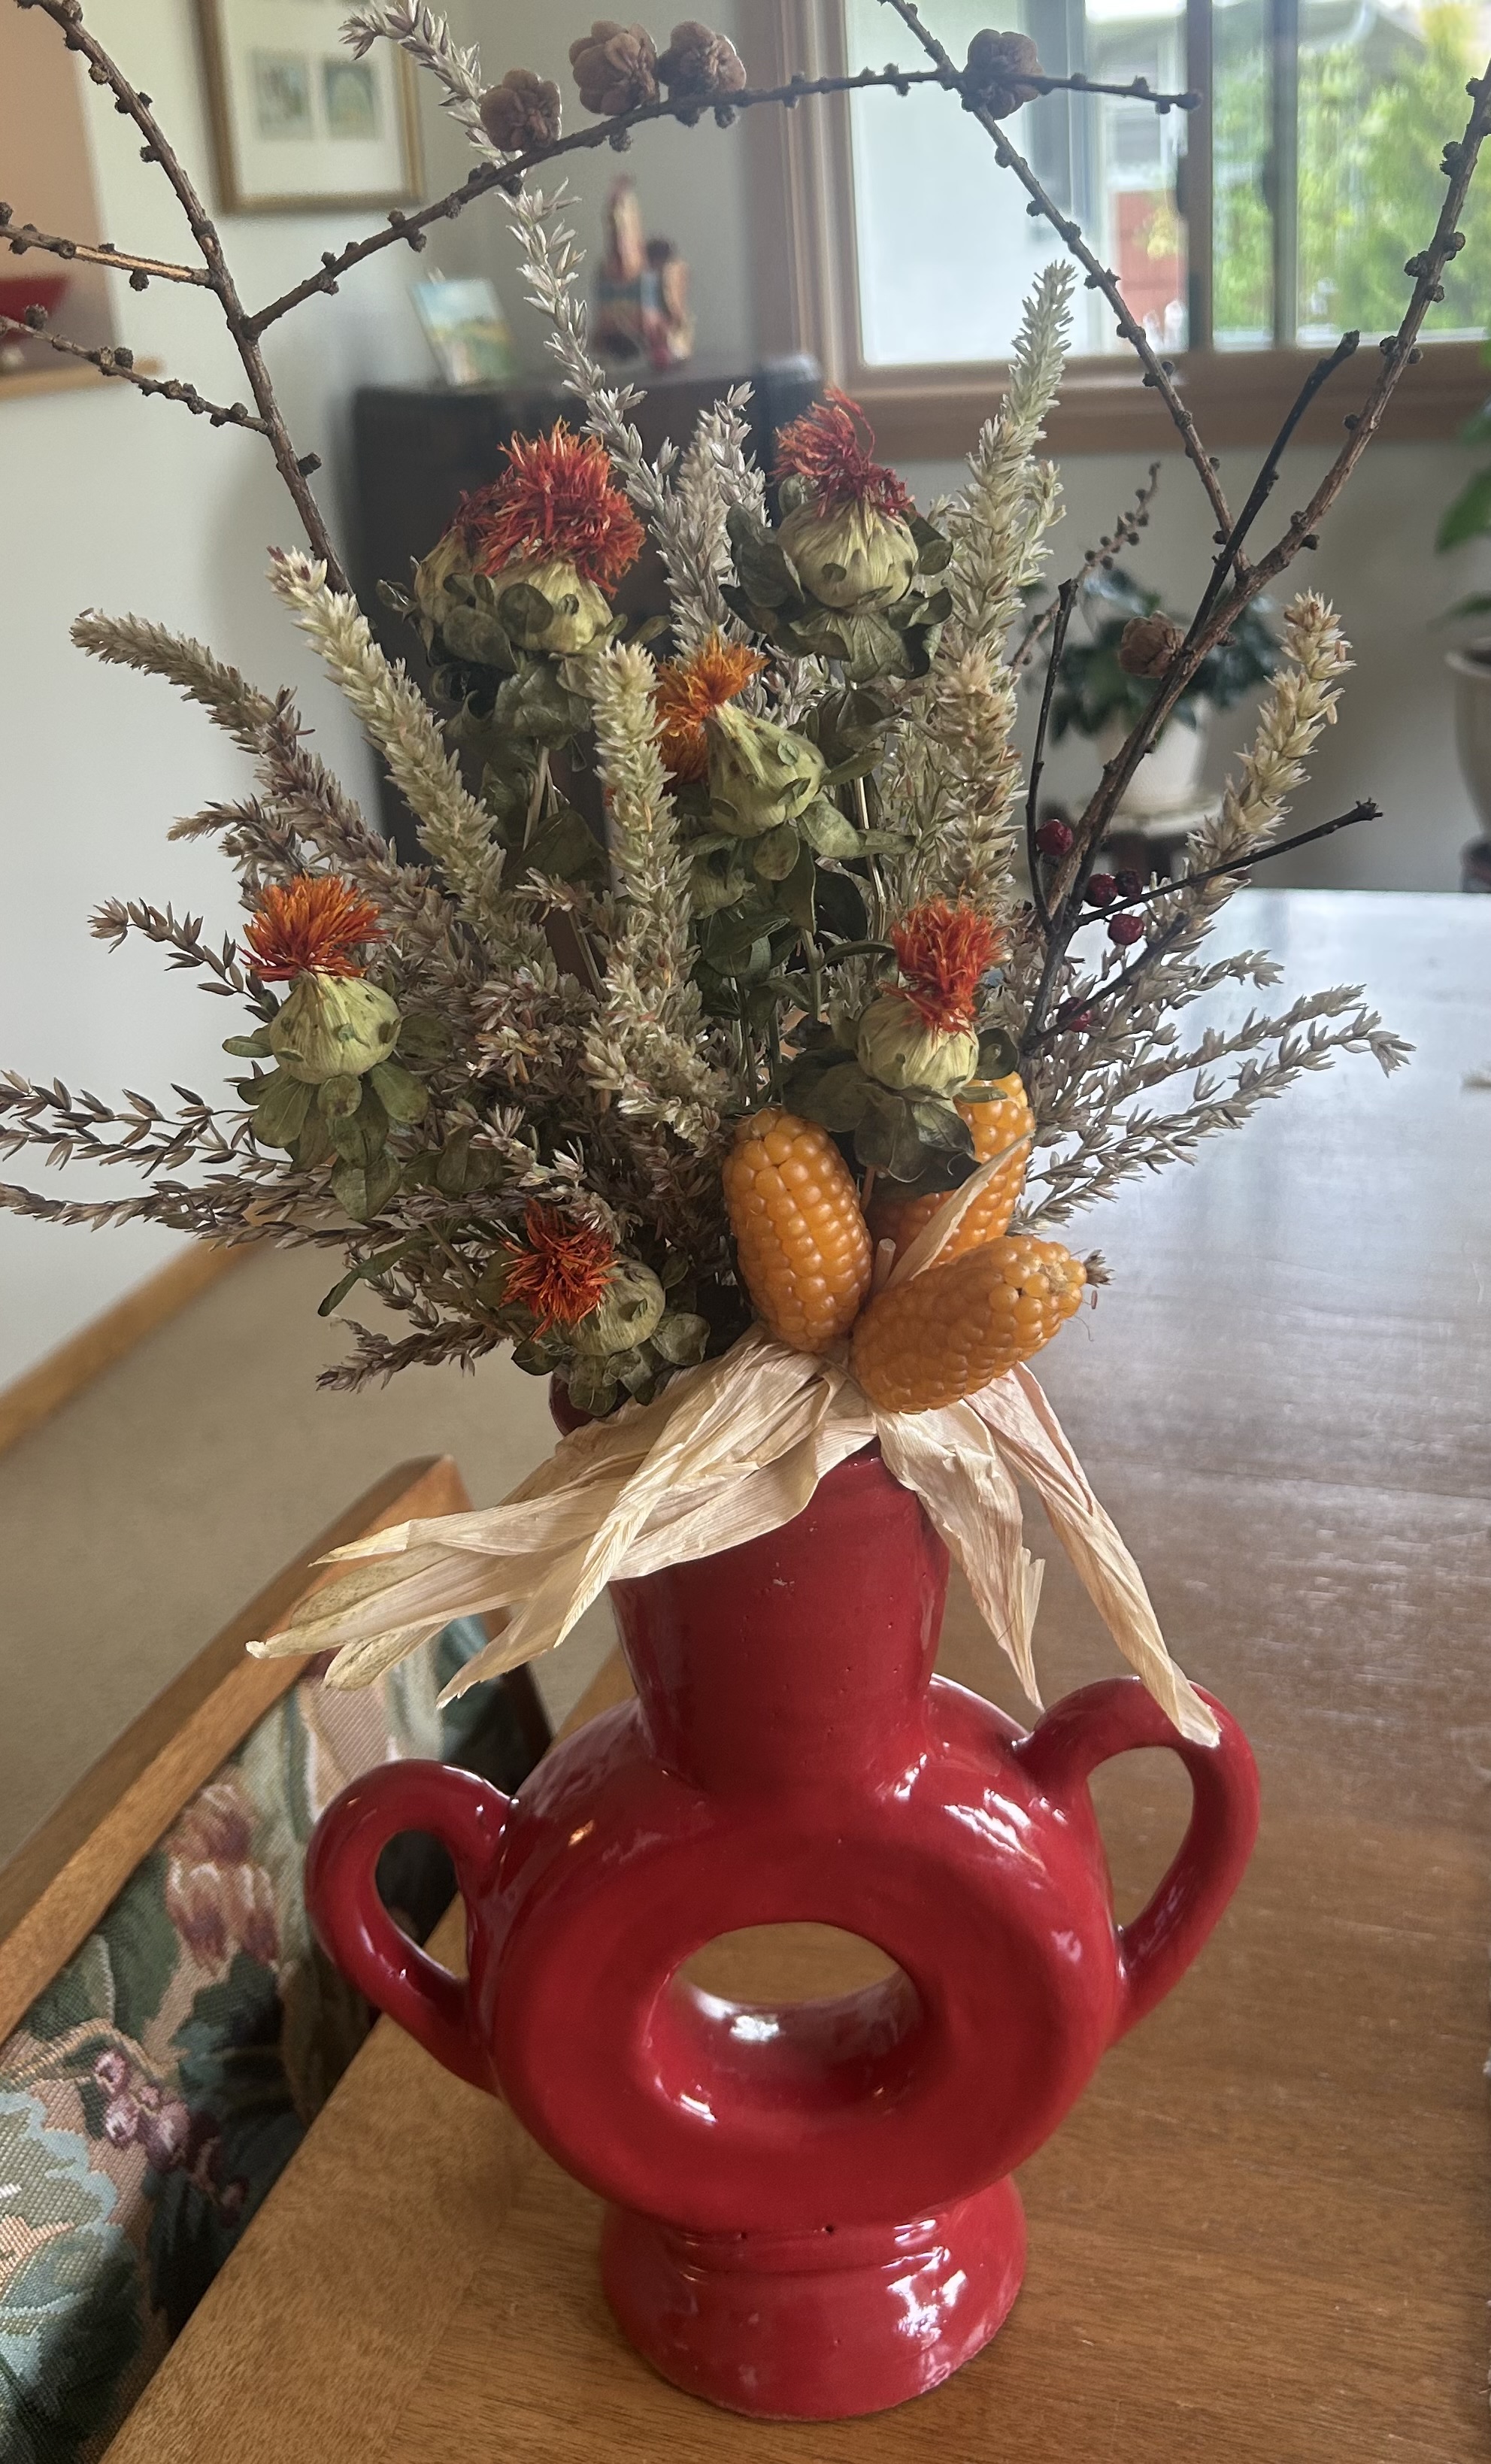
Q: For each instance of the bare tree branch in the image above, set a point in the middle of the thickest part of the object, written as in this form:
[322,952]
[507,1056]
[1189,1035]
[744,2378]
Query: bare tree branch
[142,270]
[132,105]
[118,362]
[1125,533]
[411,228]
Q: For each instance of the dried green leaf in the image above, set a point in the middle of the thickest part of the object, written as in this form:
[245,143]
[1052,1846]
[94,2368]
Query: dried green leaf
[403,1097]
[775,854]
[279,1114]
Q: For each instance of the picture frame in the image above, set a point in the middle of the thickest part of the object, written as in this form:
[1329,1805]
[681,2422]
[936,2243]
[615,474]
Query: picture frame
[469,336]
[298,124]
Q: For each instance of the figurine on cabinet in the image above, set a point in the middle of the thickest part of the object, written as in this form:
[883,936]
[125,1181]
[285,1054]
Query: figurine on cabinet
[644,304]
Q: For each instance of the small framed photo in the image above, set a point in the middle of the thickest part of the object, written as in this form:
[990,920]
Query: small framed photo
[297,120]
[466,330]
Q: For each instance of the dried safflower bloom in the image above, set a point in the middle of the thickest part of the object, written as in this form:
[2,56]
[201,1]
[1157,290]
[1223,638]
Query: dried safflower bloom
[1147,644]
[846,534]
[563,1271]
[852,561]
[920,1034]
[896,1046]
[999,72]
[334,1027]
[688,693]
[557,500]
[615,68]
[309,925]
[828,449]
[700,67]
[943,954]
[574,610]
[448,561]
[761,774]
[522,113]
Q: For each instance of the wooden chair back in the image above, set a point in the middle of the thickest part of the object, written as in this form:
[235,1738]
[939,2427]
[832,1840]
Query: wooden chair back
[60,1880]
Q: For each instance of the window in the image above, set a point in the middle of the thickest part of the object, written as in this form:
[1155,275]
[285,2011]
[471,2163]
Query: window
[946,251]
[1327,124]
[1245,234]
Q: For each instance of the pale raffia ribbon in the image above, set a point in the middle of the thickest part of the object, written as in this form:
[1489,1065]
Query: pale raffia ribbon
[727,1453]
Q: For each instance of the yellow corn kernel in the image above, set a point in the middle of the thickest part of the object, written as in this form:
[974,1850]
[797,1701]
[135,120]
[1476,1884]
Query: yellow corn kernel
[800,1240]
[948,1332]
[1003,1119]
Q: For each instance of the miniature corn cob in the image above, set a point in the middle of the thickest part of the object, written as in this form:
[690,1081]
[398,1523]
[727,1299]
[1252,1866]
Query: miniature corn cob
[800,1240]
[1001,1121]
[948,1332]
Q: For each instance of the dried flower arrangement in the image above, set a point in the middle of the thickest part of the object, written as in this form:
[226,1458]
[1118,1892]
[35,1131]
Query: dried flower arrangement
[716,1034]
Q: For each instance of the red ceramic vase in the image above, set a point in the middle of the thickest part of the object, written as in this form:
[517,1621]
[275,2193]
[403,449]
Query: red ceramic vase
[810,2210]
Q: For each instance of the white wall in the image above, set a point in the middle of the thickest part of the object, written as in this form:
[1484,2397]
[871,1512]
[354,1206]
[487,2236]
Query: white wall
[110,502]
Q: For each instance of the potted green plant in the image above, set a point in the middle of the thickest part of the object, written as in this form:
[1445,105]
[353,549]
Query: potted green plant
[1107,682]
[1469,517]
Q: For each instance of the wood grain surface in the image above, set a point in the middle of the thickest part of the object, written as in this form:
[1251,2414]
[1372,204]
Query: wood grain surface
[1264,2234]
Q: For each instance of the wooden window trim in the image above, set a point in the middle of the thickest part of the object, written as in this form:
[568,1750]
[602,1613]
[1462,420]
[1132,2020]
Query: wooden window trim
[808,299]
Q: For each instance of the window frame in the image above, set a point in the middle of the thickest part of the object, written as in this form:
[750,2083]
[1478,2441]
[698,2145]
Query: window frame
[808,299]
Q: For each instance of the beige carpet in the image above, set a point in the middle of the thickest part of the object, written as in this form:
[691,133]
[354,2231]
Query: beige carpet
[142,1515]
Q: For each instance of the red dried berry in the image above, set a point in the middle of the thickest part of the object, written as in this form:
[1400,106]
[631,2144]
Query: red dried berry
[1130,885]
[1102,890]
[1124,930]
[1054,839]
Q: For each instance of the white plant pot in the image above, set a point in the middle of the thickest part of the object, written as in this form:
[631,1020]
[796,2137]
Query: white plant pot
[1168,780]
[1473,727]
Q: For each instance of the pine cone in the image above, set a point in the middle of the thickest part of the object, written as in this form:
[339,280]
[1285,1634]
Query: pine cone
[999,69]
[615,68]
[522,113]
[1146,645]
[700,67]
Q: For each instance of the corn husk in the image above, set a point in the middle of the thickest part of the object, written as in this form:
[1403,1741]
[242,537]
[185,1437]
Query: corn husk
[727,1452]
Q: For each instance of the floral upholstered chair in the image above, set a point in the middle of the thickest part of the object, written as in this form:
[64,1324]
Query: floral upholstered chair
[157,2086]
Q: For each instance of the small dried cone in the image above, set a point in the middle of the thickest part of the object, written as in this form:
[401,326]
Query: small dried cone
[946,1333]
[1147,644]
[1001,1119]
[615,67]
[802,1243]
[701,66]
[522,113]
[999,69]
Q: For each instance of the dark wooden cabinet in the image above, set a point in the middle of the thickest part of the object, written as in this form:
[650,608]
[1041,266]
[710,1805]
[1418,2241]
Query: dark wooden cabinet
[417,450]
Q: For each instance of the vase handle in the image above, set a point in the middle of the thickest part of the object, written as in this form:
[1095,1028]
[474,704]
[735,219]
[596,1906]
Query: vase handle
[466,1816]
[1089,1728]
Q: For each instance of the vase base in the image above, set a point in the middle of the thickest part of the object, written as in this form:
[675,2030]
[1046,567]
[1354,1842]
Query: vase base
[816,2326]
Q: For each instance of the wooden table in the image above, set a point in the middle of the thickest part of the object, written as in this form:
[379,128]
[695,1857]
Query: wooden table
[1265,2231]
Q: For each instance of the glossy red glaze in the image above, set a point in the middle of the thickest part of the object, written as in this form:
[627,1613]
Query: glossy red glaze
[811,2214]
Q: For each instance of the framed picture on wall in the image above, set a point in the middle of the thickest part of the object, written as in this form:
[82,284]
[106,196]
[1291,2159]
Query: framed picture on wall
[296,121]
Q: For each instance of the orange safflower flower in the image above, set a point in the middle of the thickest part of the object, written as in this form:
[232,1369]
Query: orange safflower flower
[310,925]
[687,691]
[826,448]
[557,499]
[944,952]
[564,1271]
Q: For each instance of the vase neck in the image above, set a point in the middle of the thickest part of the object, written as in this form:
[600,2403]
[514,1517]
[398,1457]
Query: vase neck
[806,1651]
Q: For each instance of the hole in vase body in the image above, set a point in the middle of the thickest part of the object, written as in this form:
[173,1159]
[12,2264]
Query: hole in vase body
[736,2031]
[770,1963]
